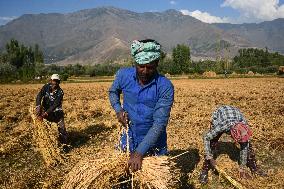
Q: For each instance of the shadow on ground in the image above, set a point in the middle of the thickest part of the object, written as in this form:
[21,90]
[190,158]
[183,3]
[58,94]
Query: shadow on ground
[228,148]
[186,163]
[77,138]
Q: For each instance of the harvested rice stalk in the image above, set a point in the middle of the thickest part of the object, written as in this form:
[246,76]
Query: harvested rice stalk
[98,172]
[45,137]
[157,172]
[230,179]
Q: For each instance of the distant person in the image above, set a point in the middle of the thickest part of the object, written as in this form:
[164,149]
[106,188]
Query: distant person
[49,106]
[229,120]
[147,101]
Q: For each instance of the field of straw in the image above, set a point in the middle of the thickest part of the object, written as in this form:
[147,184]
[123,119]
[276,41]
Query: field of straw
[93,131]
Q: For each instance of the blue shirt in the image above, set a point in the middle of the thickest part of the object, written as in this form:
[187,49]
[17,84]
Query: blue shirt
[148,108]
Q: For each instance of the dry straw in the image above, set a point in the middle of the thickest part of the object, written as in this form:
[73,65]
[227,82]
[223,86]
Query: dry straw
[158,172]
[209,74]
[250,73]
[45,138]
[236,184]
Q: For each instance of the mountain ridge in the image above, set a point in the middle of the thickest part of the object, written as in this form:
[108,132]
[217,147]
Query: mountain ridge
[102,34]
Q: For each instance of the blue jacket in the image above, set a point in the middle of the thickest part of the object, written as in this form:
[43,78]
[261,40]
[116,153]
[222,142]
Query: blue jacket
[148,109]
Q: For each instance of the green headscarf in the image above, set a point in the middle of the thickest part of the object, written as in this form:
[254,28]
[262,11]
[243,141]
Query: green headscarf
[144,53]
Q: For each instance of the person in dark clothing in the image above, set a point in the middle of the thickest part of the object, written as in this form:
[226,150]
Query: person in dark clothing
[49,106]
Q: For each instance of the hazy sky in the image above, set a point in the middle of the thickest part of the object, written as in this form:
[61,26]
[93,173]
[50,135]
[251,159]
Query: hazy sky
[210,11]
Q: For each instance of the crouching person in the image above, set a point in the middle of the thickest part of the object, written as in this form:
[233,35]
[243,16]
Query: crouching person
[49,107]
[228,119]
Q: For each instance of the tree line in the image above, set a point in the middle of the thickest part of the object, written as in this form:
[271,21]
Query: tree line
[257,60]
[248,59]
[19,62]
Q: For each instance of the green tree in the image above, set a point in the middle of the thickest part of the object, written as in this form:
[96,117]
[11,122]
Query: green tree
[8,72]
[181,59]
[166,66]
[78,70]
[14,54]
[39,61]
[257,60]
[28,61]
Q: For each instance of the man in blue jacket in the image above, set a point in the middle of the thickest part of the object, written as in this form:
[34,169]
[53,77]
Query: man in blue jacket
[147,101]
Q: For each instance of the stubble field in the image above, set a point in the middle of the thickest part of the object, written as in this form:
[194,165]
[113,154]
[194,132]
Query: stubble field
[93,130]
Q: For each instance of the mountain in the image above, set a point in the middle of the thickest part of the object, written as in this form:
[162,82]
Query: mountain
[266,34]
[97,35]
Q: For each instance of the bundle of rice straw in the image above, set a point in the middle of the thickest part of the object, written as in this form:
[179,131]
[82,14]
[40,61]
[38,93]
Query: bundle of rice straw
[209,74]
[167,75]
[235,183]
[250,73]
[158,172]
[45,137]
[95,171]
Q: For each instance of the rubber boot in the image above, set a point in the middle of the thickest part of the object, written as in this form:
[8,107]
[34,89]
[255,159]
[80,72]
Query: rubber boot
[203,177]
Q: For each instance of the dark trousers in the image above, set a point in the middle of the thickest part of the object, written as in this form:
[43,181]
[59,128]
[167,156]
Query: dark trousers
[58,117]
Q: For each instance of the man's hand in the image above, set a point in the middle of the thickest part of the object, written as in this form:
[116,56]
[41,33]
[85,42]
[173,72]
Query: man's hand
[212,163]
[40,118]
[44,115]
[122,117]
[135,162]
[38,110]
[244,174]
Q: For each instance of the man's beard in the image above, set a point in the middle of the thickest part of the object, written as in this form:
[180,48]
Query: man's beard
[54,86]
[145,78]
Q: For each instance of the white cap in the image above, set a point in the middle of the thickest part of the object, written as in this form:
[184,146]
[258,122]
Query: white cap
[55,76]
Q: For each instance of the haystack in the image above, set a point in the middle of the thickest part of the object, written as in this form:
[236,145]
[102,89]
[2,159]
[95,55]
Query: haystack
[45,137]
[209,74]
[250,73]
[167,75]
[258,74]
